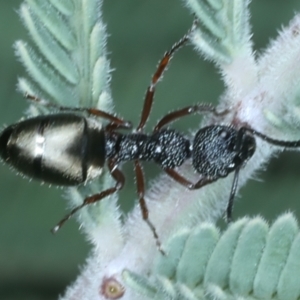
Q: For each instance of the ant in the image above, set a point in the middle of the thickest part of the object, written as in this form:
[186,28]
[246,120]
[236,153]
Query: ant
[69,149]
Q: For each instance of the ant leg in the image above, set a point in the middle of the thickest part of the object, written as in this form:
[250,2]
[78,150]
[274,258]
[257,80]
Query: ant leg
[110,127]
[92,111]
[120,180]
[188,184]
[156,77]
[232,195]
[189,110]
[142,202]
[204,181]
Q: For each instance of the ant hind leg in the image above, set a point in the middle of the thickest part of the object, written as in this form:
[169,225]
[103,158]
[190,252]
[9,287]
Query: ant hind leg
[118,122]
[120,180]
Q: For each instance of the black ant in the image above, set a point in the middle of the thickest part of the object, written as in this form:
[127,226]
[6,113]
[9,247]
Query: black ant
[69,149]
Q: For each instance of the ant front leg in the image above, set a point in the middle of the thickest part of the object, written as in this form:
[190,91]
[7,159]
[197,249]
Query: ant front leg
[204,181]
[186,111]
[120,123]
[142,202]
[120,180]
[232,195]
[188,184]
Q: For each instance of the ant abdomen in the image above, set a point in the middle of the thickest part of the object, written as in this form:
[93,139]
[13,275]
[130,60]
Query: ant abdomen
[55,149]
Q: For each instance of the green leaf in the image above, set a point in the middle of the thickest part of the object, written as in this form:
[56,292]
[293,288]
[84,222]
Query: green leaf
[248,261]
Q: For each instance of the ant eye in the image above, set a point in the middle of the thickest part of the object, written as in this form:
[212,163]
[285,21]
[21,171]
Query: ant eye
[227,139]
[223,134]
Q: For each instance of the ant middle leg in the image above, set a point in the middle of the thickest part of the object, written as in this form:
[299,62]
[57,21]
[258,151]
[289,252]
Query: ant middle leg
[120,180]
[144,209]
[120,123]
[156,77]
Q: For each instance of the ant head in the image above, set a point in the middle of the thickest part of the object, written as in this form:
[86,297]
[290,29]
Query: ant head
[219,150]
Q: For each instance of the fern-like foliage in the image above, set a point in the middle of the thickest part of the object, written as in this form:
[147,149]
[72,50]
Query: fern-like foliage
[67,65]
[223,28]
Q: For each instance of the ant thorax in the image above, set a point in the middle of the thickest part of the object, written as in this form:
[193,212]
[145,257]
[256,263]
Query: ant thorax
[168,148]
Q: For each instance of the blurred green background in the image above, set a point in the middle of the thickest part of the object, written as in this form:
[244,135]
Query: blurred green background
[36,265]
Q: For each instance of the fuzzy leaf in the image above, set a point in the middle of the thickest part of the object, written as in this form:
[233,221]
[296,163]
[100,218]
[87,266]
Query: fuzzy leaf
[223,32]
[70,67]
[67,65]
